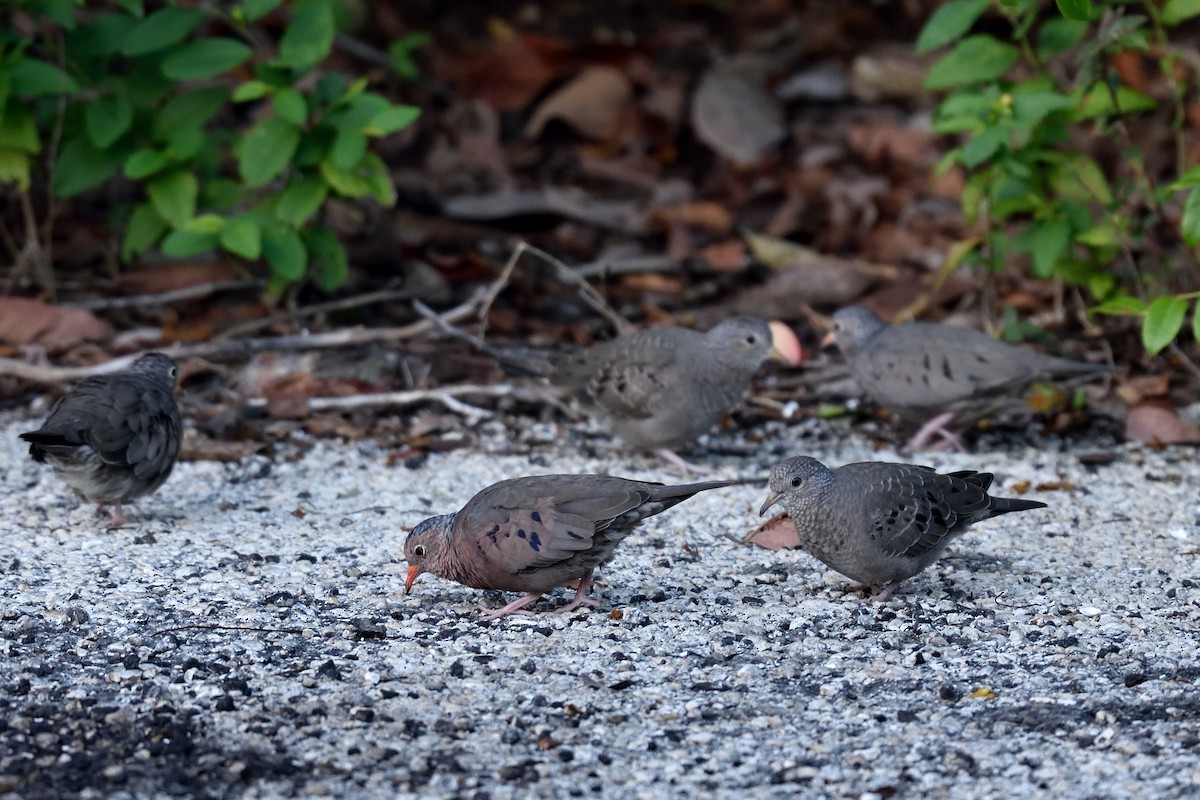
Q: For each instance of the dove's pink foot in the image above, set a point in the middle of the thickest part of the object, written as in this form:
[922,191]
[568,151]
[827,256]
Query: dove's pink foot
[884,593]
[934,427]
[515,607]
[687,467]
[581,598]
[118,515]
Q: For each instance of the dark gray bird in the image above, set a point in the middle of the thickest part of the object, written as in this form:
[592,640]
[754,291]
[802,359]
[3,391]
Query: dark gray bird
[922,369]
[879,523]
[659,389]
[114,438]
[537,533]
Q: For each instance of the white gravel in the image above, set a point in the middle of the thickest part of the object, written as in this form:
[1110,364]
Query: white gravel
[249,636]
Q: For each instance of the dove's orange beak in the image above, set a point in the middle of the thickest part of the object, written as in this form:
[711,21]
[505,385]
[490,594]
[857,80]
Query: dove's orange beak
[413,571]
[829,339]
[785,346]
[772,500]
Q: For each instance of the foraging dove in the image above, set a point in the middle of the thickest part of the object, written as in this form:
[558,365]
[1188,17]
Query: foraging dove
[919,368]
[114,438]
[661,388]
[879,523]
[536,533]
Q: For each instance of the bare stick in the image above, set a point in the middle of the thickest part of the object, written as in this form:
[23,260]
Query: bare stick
[446,396]
[498,285]
[588,292]
[162,298]
[367,299]
[349,337]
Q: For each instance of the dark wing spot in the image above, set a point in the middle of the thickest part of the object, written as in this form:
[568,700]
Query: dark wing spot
[949,373]
[535,516]
[925,361]
[521,533]
[534,541]
[574,535]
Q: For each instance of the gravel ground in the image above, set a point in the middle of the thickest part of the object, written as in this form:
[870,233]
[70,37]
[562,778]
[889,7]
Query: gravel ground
[248,636]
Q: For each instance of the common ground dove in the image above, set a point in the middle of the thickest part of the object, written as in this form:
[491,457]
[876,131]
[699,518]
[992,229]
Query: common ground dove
[920,369]
[537,533]
[661,388]
[114,438]
[875,522]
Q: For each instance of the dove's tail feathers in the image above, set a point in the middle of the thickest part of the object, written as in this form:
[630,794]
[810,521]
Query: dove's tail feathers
[1005,505]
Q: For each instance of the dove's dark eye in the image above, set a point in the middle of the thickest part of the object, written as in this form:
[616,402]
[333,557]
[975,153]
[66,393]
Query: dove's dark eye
[419,551]
[751,339]
[174,373]
[796,481]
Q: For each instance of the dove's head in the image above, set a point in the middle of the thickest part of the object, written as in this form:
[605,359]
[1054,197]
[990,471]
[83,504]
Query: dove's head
[158,366]
[797,482]
[424,545]
[853,327]
[751,341]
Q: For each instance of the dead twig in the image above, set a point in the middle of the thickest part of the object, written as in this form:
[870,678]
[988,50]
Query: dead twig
[446,395]
[163,298]
[358,301]
[350,337]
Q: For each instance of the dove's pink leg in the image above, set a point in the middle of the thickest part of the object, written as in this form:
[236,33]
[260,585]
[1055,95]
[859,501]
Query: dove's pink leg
[885,592]
[118,515]
[515,607]
[581,598]
[688,468]
[935,427]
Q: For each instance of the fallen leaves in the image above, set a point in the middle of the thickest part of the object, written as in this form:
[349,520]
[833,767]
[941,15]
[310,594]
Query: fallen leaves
[31,322]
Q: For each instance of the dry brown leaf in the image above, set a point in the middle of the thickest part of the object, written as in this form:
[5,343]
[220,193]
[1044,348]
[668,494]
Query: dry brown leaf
[777,533]
[1055,486]
[1158,425]
[887,144]
[726,256]
[707,216]
[889,72]
[171,277]
[24,321]
[506,74]
[1134,389]
[735,116]
[597,104]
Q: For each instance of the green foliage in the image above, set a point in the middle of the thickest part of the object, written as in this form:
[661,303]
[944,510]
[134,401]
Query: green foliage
[1018,101]
[234,144]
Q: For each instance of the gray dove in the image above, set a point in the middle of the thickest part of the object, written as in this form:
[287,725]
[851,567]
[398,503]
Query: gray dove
[661,388]
[918,369]
[879,523]
[114,438]
[537,533]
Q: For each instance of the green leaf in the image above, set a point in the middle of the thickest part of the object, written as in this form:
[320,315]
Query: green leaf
[252,90]
[1189,224]
[300,200]
[370,177]
[192,109]
[257,9]
[205,58]
[161,30]
[1099,101]
[1080,178]
[1196,322]
[14,168]
[186,143]
[392,119]
[1048,242]
[1058,35]
[243,237]
[107,119]
[949,22]
[206,223]
[1164,320]
[102,35]
[1104,235]
[327,258]
[144,162]
[18,130]
[1176,11]
[62,12]
[28,76]
[174,196]
[1075,9]
[308,40]
[284,252]
[265,150]
[982,147]
[181,244]
[348,149]
[973,60]
[1187,180]
[290,105]
[82,166]
[1123,305]
[1031,107]
[143,230]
